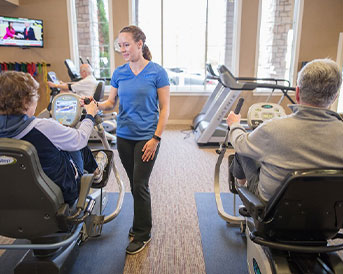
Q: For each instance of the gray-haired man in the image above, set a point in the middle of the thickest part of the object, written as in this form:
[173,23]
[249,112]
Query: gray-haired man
[310,137]
[85,87]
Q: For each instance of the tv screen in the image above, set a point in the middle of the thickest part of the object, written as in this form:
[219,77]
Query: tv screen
[21,32]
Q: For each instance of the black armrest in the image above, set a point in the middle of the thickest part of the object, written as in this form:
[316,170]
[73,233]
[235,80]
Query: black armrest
[86,182]
[252,203]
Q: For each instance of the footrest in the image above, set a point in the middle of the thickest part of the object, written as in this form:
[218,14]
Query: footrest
[108,168]
[94,224]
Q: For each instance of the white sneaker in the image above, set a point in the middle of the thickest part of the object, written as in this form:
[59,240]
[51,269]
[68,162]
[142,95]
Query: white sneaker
[101,160]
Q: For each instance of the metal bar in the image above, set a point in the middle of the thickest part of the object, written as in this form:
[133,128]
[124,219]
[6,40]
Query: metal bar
[221,212]
[110,217]
[72,238]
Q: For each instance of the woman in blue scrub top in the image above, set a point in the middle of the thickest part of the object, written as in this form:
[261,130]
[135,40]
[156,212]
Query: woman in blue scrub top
[143,90]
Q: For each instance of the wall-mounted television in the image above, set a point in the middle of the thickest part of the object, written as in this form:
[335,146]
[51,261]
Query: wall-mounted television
[21,32]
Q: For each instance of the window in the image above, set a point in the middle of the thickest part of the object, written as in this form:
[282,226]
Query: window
[104,38]
[339,60]
[340,101]
[185,35]
[275,39]
[90,24]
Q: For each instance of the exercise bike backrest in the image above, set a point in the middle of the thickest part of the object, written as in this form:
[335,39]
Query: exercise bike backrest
[72,71]
[292,217]
[99,91]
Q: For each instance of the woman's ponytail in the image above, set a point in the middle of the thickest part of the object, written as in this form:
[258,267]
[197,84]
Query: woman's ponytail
[146,53]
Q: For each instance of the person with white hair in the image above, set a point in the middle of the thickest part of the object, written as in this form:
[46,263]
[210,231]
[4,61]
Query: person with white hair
[309,138]
[85,87]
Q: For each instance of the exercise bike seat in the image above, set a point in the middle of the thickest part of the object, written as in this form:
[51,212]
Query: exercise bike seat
[31,205]
[72,71]
[307,210]
[29,200]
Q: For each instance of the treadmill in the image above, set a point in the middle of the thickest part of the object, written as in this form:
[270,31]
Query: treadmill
[209,127]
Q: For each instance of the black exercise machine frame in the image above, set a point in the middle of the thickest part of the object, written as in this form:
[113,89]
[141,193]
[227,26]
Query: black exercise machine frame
[262,212]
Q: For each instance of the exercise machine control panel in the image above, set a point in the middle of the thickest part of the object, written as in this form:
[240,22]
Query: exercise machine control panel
[66,109]
[52,77]
[260,112]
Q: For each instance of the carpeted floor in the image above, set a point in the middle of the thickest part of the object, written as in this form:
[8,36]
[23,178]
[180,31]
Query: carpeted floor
[181,170]
[224,246]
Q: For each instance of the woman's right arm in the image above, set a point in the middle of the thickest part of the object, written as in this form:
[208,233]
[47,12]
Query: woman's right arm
[110,103]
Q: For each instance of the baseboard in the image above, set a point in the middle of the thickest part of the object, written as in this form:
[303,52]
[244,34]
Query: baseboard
[180,122]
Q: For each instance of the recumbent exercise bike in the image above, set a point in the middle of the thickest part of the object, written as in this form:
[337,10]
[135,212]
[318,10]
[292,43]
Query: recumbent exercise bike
[291,233]
[32,206]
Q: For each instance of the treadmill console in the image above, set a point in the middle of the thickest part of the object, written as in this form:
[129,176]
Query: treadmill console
[260,112]
[66,109]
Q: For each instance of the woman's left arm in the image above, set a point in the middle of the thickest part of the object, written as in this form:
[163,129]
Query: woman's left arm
[150,147]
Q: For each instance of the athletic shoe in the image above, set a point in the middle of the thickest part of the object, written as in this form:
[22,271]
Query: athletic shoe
[101,160]
[131,232]
[136,246]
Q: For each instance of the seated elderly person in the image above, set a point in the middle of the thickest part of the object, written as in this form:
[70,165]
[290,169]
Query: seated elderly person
[309,138]
[62,151]
[85,87]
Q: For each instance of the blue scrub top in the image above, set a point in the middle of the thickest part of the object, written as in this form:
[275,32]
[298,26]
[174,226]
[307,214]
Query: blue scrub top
[138,100]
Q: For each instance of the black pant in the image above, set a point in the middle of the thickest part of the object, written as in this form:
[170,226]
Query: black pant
[130,153]
[84,160]
[243,167]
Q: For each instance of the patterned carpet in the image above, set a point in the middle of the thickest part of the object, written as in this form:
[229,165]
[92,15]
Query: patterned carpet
[181,170]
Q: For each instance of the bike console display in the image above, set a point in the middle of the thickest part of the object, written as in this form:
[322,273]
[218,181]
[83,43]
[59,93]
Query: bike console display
[66,109]
[260,112]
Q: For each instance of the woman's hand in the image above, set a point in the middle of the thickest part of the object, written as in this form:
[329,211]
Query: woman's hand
[149,150]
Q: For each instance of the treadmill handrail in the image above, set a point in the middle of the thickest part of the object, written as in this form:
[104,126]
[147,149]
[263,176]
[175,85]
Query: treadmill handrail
[210,72]
[276,80]
[228,80]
